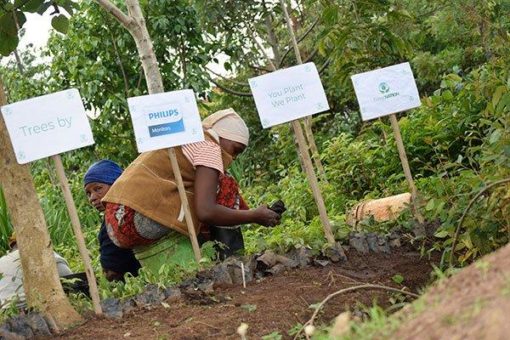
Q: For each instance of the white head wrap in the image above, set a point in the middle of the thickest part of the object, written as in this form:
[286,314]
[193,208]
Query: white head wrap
[229,125]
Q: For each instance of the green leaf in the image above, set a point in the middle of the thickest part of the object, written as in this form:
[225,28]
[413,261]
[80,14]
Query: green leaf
[32,6]
[60,23]
[495,136]
[8,7]
[497,95]
[430,205]
[272,336]
[330,14]
[68,5]
[8,25]
[43,7]
[249,307]
[441,234]
[7,43]
[20,16]
[504,102]
[397,278]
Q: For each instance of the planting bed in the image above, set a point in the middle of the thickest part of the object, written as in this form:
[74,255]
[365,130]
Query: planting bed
[271,304]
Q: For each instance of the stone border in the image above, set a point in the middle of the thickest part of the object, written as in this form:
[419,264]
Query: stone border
[201,287]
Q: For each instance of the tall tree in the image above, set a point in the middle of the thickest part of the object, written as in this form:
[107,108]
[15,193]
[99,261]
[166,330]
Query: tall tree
[40,278]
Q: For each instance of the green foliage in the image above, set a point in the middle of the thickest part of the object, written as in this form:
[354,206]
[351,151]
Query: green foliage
[378,325]
[60,23]
[12,18]
[457,141]
[272,336]
[5,224]
[397,278]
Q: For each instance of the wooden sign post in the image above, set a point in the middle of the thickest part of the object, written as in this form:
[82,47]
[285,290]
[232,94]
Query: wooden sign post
[285,96]
[304,147]
[60,125]
[311,145]
[385,92]
[135,23]
[165,120]
[80,239]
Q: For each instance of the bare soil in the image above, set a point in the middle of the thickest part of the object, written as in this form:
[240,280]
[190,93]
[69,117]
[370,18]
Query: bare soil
[274,304]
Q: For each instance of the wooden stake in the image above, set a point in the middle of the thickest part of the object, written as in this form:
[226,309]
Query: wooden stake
[75,222]
[134,22]
[405,167]
[185,205]
[310,140]
[312,179]
[303,146]
[313,148]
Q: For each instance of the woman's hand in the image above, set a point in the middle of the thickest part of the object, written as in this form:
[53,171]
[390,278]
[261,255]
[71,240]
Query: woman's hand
[265,216]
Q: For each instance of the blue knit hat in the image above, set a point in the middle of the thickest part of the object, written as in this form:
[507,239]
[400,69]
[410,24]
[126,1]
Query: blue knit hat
[103,171]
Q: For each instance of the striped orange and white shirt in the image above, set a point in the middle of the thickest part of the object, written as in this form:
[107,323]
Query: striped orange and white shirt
[205,153]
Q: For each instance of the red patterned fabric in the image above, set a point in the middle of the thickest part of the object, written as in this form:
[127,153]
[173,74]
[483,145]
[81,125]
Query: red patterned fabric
[120,225]
[228,196]
[228,193]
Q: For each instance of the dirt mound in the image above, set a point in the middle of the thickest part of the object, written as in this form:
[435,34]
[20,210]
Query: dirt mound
[274,304]
[472,304]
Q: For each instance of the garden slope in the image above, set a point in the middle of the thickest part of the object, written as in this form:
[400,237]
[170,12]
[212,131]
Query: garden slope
[275,304]
[472,304]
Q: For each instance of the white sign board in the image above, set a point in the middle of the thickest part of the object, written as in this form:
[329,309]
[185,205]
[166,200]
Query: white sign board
[289,94]
[47,125]
[385,91]
[165,119]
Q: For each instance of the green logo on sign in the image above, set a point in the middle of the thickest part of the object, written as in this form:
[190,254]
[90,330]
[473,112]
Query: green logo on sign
[384,88]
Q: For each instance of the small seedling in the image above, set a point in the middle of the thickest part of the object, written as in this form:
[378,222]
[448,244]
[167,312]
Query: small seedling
[272,336]
[250,308]
[398,278]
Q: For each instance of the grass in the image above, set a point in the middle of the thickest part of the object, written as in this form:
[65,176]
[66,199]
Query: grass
[5,224]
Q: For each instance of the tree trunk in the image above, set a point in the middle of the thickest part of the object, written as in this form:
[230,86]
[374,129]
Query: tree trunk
[40,278]
[145,49]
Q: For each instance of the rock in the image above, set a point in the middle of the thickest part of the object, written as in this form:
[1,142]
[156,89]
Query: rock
[359,242]
[235,270]
[266,260]
[419,230]
[6,334]
[221,275]
[372,242]
[302,255]
[321,263]
[128,306]
[335,253]
[270,259]
[395,243]
[188,284]
[20,326]
[277,269]
[236,273]
[112,308]
[172,294]
[151,296]
[250,267]
[394,240]
[382,244]
[377,243]
[38,324]
[341,326]
[207,286]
